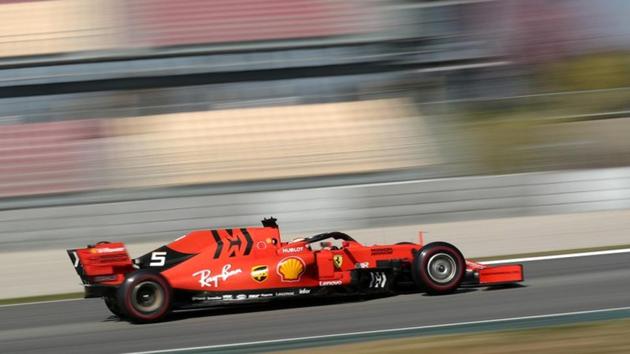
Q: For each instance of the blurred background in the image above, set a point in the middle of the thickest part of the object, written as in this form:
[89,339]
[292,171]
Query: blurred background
[138,120]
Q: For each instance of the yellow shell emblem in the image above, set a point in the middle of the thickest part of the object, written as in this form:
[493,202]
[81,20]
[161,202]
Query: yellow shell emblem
[291,269]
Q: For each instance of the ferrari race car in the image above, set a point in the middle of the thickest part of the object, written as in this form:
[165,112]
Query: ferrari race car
[215,267]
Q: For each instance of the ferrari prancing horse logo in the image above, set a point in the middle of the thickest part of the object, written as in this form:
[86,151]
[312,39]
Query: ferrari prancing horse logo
[338,261]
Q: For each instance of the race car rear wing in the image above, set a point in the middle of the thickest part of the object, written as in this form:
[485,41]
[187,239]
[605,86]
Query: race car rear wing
[103,264]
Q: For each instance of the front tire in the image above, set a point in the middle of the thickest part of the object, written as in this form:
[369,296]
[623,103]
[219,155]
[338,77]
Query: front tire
[144,296]
[439,268]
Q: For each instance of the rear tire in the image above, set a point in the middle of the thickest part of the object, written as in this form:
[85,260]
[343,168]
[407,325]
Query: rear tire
[112,305]
[144,296]
[439,268]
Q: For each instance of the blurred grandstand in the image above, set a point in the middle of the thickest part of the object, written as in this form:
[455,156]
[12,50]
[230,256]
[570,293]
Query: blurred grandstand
[106,95]
[97,94]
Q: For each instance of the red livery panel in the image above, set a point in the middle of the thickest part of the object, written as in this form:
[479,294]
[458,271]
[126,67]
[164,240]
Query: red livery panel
[501,274]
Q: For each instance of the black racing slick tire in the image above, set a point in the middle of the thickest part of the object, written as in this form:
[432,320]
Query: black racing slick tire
[144,296]
[112,305]
[439,268]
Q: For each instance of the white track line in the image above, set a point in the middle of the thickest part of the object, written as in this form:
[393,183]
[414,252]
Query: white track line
[558,256]
[403,329]
[39,302]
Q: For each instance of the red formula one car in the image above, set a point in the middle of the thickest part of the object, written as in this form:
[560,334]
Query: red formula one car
[210,267]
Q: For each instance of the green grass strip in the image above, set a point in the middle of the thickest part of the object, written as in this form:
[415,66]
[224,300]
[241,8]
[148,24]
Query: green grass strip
[584,338]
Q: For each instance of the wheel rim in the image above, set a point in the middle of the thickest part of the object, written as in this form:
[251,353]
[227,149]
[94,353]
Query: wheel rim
[147,297]
[442,268]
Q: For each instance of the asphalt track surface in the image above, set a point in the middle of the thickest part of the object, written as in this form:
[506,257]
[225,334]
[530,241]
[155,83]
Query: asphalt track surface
[552,286]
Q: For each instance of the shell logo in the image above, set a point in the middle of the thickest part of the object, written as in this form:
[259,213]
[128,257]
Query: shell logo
[291,269]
